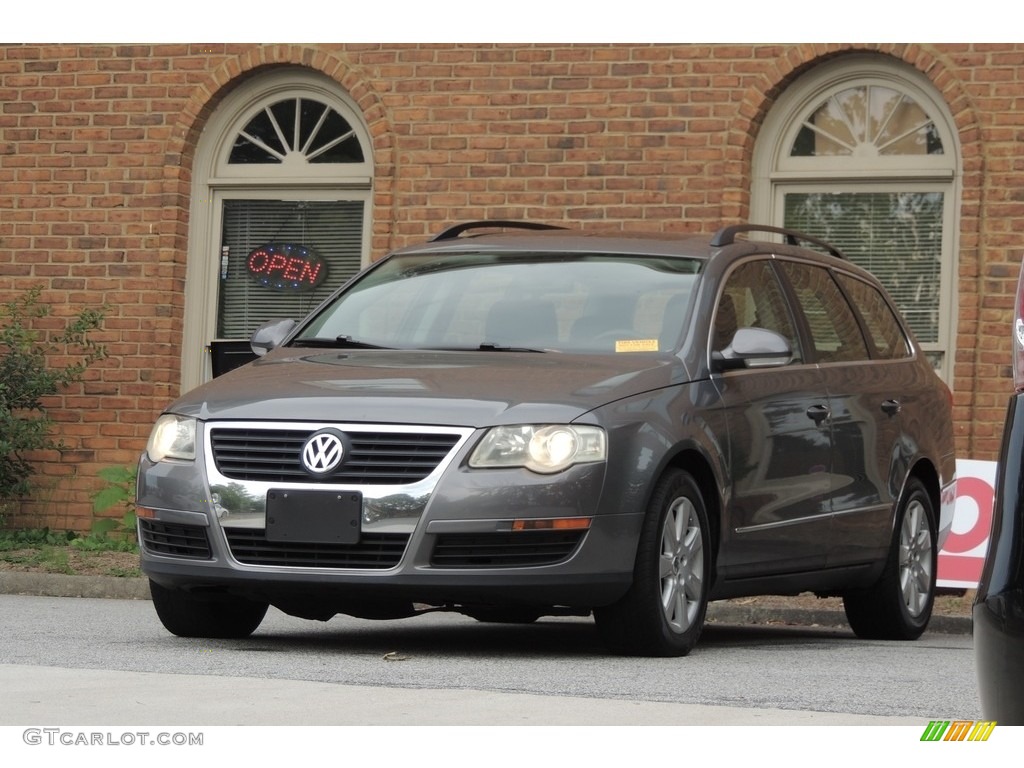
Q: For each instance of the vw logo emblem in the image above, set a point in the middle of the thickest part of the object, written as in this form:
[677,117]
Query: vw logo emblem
[322,453]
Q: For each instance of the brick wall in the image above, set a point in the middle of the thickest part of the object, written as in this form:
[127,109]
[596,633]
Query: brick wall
[97,144]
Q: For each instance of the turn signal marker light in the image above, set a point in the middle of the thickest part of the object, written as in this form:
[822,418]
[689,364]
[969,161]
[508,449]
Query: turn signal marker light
[553,524]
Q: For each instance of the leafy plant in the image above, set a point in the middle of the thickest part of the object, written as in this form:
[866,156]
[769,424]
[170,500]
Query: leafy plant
[40,549]
[118,491]
[102,540]
[33,538]
[27,377]
[36,548]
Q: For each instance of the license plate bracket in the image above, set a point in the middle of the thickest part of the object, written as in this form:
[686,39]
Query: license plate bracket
[313,517]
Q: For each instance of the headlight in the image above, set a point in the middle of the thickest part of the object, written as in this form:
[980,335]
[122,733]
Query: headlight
[173,437]
[544,449]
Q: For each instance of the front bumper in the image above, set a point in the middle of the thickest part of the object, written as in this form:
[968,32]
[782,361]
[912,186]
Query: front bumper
[445,539]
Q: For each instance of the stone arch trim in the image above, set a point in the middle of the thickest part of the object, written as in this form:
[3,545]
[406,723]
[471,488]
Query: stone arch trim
[193,118]
[751,111]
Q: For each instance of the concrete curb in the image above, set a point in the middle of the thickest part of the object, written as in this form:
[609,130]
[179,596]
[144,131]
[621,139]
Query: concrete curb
[729,613]
[114,587]
[62,585]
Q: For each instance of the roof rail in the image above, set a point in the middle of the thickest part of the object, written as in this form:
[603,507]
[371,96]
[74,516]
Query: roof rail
[454,231]
[727,236]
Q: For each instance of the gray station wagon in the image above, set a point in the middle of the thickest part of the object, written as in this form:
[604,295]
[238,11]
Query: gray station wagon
[516,420]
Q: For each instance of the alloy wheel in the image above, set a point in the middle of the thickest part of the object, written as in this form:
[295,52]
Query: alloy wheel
[681,565]
[916,558]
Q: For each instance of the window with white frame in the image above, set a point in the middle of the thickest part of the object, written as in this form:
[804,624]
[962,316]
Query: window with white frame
[280,211]
[861,152]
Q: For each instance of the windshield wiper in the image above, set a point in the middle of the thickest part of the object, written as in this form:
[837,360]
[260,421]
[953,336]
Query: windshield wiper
[347,342]
[491,347]
[339,342]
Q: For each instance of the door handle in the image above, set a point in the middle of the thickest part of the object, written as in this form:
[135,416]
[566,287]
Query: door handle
[818,413]
[891,406]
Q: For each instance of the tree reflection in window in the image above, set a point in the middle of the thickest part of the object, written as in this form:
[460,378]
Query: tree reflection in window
[296,130]
[867,121]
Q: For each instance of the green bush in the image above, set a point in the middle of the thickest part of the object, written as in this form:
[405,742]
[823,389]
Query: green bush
[118,491]
[47,544]
[27,377]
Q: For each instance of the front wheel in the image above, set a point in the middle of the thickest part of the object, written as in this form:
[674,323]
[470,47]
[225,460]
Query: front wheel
[899,605]
[188,616]
[663,612]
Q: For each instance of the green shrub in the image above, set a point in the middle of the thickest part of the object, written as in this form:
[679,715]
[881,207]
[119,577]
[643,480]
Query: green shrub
[119,491]
[34,538]
[26,378]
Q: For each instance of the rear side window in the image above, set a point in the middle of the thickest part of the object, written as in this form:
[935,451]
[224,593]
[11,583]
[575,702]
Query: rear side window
[835,332]
[886,333]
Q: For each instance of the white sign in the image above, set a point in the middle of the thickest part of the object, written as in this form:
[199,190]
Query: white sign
[963,555]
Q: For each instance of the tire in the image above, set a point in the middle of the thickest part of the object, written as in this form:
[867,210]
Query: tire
[663,612]
[187,616]
[899,605]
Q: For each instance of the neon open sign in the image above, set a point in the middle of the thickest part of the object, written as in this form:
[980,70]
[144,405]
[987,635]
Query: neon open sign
[287,267]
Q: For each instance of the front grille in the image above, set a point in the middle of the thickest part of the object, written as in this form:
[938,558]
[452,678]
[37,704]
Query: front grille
[374,458]
[504,550]
[381,550]
[174,540]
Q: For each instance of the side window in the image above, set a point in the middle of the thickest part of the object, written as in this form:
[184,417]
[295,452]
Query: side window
[886,333]
[753,298]
[835,333]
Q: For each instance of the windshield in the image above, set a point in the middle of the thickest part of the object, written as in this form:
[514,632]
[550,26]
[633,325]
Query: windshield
[577,304]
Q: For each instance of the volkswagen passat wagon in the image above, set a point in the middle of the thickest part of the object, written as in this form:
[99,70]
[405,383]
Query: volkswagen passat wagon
[515,420]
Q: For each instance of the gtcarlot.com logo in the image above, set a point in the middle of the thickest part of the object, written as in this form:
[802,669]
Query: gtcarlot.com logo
[69,738]
[958,730]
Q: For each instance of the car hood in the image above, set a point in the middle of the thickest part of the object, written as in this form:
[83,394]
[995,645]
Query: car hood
[470,389]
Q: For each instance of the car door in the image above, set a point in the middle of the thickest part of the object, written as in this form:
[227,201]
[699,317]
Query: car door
[879,393]
[863,397]
[779,444]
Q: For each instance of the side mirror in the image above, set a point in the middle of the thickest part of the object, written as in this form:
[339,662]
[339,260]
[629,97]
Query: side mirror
[270,335]
[754,348]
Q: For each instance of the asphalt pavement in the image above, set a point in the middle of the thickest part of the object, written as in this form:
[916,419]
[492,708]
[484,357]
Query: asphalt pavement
[36,693]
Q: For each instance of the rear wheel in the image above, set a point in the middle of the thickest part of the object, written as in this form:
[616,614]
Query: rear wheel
[663,612]
[187,616]
[899,605]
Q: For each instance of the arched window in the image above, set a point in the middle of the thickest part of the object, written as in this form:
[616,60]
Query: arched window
[280,212]
[862,152]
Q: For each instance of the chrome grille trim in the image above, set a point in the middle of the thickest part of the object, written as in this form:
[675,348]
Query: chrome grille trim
[387,508]
[271,454]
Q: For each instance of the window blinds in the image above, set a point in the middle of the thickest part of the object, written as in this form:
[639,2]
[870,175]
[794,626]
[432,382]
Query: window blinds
[897,236]
[333,229]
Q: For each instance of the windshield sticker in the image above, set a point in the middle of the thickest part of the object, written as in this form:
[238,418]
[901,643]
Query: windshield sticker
[636,345]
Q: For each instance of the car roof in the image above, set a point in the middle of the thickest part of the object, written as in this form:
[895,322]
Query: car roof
[572,241]
[513,237]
